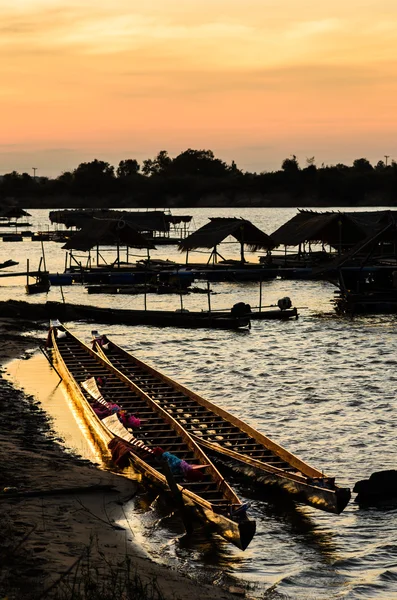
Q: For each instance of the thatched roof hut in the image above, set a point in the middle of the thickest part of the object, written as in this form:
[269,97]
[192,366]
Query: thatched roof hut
[107,232]
[219,228]
[13,212]
[149,221]
[337,229]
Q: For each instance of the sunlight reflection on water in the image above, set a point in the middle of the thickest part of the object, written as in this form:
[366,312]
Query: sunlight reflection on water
[322,386]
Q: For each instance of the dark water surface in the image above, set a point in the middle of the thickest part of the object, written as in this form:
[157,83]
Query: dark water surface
[322,386]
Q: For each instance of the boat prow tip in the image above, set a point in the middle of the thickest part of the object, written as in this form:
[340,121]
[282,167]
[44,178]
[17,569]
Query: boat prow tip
[343,499]
[247,532]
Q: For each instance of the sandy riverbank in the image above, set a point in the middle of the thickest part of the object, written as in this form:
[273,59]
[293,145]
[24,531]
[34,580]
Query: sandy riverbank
[46,536]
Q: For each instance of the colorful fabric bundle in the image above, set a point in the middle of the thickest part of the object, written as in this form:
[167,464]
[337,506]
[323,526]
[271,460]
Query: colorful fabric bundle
[180,467]
[100,410]
[120,452]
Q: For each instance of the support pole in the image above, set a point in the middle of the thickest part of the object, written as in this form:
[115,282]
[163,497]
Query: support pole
[209,297]
[42,250]
[260,295]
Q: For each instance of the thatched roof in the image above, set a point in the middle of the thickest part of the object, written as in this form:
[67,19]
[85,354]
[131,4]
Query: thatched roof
[13,212]
[377,245]
[101,232]
[219,228]
[176,219]
[150,221]
[333,228]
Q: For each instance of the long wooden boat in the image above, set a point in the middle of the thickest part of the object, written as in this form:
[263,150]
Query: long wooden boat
[158,318]
[230,442]
[209,497]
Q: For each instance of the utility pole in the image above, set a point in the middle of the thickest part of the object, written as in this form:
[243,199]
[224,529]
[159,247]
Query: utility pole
[34,169]
[386,157]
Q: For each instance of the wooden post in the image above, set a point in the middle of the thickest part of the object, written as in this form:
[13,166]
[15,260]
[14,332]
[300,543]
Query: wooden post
[66,262]
[63,297]
[260,295]
[242,253]
[27,271]
[242,257]
[144,293]
[209,297]
[42,249]
[187,256]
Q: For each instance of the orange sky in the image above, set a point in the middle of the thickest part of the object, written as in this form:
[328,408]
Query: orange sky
[253,80]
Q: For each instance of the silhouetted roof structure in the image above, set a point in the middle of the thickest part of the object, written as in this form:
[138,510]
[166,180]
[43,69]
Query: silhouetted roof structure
[219,228]
[154,220]
[13,212]
[175,219]
[379,245]
[105,232]
[333,228]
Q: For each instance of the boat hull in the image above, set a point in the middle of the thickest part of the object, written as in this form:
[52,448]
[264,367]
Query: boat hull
[238,443]
[328,500]
[237,530]
[157,318]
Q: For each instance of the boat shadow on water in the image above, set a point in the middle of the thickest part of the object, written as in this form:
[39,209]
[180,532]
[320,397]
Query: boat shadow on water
[293,520]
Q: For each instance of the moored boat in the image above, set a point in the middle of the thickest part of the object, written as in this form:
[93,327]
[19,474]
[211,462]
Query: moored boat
[230,442]
[145,433]
[157,318]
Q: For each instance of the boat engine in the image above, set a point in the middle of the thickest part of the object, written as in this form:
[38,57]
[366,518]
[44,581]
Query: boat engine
[240,309]
[284,303]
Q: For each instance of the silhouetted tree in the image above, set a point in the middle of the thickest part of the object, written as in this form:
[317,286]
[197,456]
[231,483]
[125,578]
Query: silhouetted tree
[362,164]
[158,166]
[380,165]
[290,165]
[198,163]
[93,178]
[127,168]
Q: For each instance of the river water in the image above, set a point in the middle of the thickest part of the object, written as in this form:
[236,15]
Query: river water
[322,386]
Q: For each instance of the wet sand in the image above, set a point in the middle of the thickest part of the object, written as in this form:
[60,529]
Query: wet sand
[52,521]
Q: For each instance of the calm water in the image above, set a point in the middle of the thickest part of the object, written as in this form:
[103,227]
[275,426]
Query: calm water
[322,386]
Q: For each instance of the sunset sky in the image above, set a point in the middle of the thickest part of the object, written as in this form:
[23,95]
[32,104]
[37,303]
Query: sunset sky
[253,80]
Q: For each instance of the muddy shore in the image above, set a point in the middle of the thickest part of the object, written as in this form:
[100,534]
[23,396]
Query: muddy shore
[53,521]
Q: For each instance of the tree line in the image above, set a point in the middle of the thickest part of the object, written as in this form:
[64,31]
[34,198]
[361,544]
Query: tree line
[197,177]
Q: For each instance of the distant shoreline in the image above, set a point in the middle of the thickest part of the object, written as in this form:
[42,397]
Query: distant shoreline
[257,201]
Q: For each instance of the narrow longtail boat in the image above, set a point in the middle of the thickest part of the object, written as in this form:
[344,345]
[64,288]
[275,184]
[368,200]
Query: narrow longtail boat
[231,443]
[98,388]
